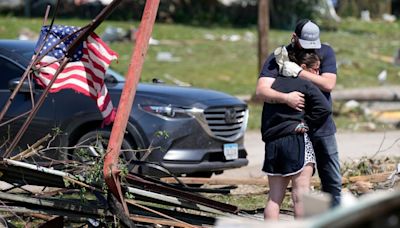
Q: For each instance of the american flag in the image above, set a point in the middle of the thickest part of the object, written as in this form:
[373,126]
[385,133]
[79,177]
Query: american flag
[85,71]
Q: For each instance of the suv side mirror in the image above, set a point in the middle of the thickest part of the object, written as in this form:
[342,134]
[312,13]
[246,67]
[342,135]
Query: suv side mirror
[13,83]
[109,78]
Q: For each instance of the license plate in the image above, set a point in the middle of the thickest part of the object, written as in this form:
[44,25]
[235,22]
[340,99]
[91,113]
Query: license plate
[231,151]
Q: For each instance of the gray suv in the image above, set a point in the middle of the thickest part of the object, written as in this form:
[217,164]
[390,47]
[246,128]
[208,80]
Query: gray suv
[193,132]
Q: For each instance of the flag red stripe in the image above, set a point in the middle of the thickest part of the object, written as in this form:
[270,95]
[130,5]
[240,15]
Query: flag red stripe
[87,77]
[109,51]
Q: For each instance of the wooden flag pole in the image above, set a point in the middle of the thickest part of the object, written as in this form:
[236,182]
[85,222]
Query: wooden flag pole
[110,169]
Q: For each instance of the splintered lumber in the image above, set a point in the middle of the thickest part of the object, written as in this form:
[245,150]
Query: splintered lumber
[32,149]
[69,215]
[172,200]
[217,181]
[52,203]
[373,178]
[24,173]
[188,216]
[177,221]
[182,195]
[163,222]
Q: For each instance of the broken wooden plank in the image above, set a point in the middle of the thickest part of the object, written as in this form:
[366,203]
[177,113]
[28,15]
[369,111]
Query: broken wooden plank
[177,221]
[159,221]
[383,93]
[217,181]
[172,200]
[373,178]
[182,195]
[54,204]
[24,173]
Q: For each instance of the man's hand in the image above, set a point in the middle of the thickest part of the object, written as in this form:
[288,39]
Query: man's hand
[290,69]
[281,56]
[295,100]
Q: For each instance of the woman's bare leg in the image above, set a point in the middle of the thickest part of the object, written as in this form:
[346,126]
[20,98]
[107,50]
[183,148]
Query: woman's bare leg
[300,185]
[277,189]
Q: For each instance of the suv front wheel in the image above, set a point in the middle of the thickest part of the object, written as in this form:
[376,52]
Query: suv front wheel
[95,143]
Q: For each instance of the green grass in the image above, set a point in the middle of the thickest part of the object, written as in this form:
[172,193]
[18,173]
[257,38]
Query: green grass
[244,202]
[231,67]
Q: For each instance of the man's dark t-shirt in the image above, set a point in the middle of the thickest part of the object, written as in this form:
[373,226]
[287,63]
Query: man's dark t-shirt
[328,65]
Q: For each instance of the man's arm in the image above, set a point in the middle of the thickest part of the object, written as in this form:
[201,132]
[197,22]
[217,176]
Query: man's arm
[265,93]
[325,82]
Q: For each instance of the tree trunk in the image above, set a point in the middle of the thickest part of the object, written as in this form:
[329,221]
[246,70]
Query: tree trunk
[263,29]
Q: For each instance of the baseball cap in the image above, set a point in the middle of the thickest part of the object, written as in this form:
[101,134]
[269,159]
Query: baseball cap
[308,34]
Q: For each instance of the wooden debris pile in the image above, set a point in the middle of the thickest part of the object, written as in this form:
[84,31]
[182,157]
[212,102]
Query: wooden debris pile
[71,200]
[75,193]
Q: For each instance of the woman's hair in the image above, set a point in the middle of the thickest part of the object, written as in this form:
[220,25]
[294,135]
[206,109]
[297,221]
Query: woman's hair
[304,56]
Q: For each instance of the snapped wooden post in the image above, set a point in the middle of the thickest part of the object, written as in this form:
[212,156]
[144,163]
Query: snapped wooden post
[110,169]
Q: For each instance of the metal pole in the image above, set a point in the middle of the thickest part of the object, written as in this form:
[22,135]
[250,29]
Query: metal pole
[110,169]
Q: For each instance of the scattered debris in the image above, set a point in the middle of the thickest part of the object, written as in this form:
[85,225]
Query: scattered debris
[209,36]
[365,16]
[383,58]
[362,187]
[387,93]
[153,41]
[165,202]
[382,76]
[167,57]
[248,37]
[27,34]
[389,17]
[176,81]
[231,38]
[113,34]
[350,105]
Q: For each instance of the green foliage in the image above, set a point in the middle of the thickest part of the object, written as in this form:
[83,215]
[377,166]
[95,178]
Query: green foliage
[231,67]
[162,134]
[255,110]
[353,8]
[246,202]
[285,14]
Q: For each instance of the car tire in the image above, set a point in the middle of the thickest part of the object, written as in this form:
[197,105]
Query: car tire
[99,140]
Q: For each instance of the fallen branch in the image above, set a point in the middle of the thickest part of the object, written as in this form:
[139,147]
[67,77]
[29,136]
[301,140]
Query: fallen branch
[32,149]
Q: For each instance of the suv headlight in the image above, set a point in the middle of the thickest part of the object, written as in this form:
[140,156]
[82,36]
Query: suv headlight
[170,111]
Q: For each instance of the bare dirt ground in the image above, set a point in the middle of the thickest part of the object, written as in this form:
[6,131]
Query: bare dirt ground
[352,145]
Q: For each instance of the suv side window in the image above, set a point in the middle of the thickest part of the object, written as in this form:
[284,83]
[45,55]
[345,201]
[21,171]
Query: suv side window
[8,71]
